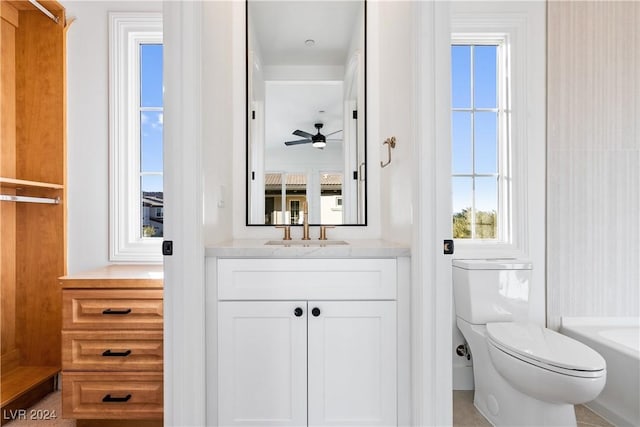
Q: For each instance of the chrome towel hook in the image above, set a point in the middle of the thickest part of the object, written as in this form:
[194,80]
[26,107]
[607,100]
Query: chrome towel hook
[391,143]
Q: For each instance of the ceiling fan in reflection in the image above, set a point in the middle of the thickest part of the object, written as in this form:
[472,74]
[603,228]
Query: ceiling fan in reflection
[317,141]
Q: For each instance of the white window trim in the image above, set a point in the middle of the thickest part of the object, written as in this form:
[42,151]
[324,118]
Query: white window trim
[512,27]
[126,32]
[504,212]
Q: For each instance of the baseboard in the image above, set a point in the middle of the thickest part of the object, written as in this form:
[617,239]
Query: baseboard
[463,378]
[608,415]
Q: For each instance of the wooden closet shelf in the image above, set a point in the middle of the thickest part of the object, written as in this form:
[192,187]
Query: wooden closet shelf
[22,379]
[22,183]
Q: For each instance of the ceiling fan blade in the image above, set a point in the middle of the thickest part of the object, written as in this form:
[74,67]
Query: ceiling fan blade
[332,133]
[299,141]
[334,140]
[302,133]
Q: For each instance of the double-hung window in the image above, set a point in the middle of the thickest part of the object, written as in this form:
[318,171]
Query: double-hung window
[481,191]
[136,130]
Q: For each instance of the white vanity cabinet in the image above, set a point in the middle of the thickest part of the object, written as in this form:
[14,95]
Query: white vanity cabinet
[307,342]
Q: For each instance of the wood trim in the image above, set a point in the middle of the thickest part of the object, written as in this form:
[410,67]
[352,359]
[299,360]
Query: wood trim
[9,13]
[39,106]
[155,284]
[8,95]
[51,5]
[20,183]
[20,380]
[28,399]
[10,359]
[117,276]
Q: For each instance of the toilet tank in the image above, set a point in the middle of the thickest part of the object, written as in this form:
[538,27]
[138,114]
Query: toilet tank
[491,290]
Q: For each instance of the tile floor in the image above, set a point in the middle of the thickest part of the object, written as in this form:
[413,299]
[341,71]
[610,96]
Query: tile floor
[52,404]
[465,414]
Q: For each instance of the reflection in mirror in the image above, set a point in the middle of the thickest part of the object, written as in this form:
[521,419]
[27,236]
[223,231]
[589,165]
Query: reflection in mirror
[306,112]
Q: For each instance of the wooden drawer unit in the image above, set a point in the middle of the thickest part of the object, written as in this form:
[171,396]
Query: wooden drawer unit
[114,396]
[112,309]
[112,350]
[112,346]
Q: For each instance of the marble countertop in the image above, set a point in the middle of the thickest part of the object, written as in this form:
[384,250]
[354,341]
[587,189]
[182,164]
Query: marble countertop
[355,248]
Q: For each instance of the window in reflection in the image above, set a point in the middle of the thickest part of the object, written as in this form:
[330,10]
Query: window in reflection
[331,211]
[283,197]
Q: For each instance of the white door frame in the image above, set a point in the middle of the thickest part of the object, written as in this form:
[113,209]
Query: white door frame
[184,291]
[431,275]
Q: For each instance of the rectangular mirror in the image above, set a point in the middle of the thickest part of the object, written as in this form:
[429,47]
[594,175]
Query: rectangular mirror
[306,115]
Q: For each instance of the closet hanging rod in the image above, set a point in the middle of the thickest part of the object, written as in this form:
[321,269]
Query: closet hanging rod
[47,200]
[44,10]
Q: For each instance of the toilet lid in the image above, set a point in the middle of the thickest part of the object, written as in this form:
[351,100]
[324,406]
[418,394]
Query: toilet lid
[543,346]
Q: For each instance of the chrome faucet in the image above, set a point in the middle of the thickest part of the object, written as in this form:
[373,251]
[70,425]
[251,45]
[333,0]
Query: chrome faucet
[305,222]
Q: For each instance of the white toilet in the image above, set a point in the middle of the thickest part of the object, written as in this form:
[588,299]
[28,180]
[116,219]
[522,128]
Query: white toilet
[525,374]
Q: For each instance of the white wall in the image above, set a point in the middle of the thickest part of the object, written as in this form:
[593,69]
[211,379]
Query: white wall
[218,106]
[395,99]
[223,129]
[88,129]
[593,159]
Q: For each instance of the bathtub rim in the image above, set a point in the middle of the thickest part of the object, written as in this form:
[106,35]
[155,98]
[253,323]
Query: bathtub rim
[589,326]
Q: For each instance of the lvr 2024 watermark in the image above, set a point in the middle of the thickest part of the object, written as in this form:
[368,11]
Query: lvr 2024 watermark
[29,414]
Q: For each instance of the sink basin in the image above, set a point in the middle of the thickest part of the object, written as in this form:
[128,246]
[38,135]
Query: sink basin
[306,242]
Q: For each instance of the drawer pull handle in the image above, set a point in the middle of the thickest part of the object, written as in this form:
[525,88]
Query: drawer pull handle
[109,311]
[116,353]
[108,398]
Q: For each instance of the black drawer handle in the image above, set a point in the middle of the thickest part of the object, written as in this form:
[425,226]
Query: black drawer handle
[116,353]
[108,398]
[109,311]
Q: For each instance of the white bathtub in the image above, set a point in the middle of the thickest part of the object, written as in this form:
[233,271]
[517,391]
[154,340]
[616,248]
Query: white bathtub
[618,341]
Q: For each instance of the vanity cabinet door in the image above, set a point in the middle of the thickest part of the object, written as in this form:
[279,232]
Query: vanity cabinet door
[352,363]
[262,363]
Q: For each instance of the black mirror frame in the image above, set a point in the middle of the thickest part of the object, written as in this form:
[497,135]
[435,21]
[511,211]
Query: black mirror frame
[249,173]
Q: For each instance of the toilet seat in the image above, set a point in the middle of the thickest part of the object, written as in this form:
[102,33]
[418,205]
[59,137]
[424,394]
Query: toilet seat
[546,349]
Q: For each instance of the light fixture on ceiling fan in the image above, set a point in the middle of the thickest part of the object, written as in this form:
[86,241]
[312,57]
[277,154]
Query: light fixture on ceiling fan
[317,141]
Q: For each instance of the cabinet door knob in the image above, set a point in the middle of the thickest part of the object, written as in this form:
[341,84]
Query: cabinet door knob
[298,312]
[315,312]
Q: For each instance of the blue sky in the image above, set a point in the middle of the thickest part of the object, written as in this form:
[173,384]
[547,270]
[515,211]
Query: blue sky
[151,122]
[483,95]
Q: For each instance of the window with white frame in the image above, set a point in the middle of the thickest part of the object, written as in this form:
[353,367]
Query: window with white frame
[136,130]
[481,190]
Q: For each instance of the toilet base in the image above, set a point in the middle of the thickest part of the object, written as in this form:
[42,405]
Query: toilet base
[525,413]
[499,402]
